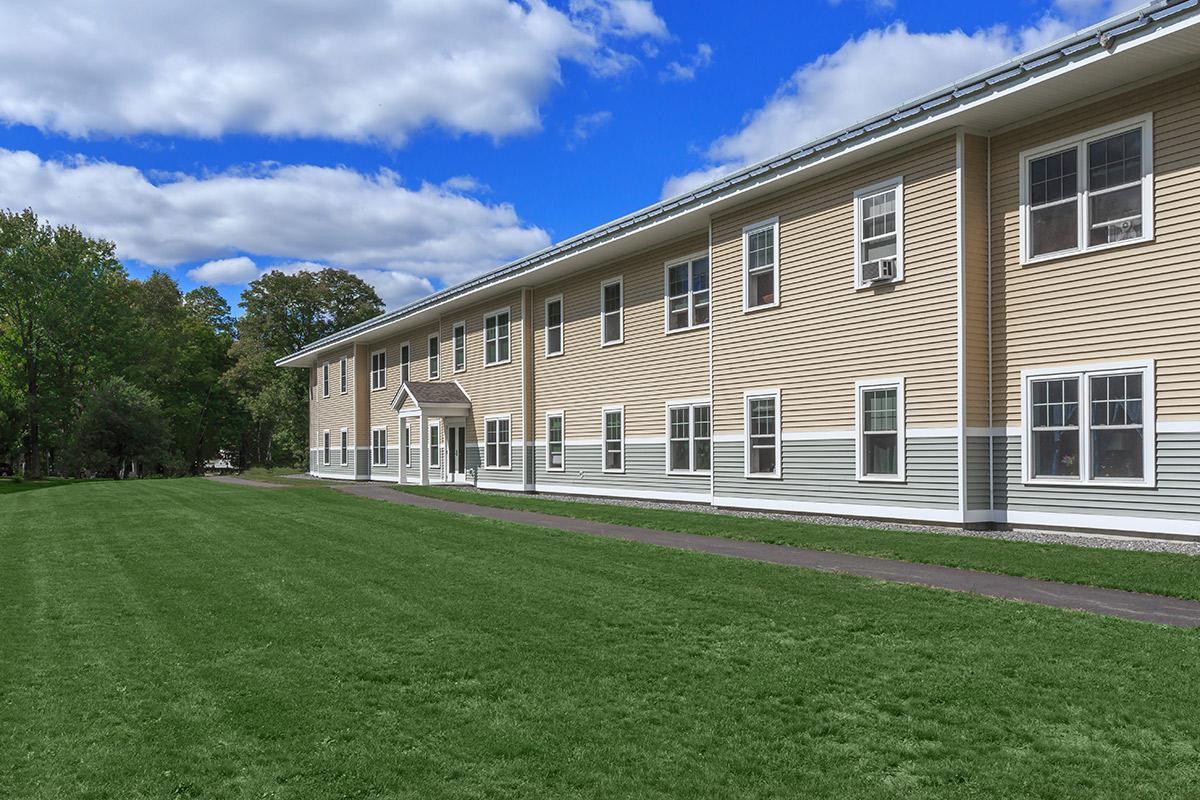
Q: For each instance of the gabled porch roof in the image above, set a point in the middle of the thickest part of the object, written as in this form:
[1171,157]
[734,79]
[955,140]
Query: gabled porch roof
[431,398]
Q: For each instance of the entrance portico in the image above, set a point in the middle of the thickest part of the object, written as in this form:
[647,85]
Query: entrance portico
[436,408]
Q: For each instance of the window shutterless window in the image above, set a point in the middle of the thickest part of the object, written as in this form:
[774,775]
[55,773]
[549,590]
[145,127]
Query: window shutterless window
[379,447]
[379,369]
[687,293]
[614,439]
[880,430]
[879,233]
[497,442]
[689,438]
[433,357]
[760,254]
[325,448]
[407,446]
[435,450]
[612,312]
[495,338]
[460,346]
[762,434]
[1090,425]
[1090,192]
[404,359]
[345,447]
[555,455]
[554,326]
[324,380]
[343,374]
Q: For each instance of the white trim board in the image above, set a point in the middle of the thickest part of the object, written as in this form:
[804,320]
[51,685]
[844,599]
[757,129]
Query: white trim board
[946,515]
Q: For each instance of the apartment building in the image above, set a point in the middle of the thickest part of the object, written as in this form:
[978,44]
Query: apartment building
[978,308]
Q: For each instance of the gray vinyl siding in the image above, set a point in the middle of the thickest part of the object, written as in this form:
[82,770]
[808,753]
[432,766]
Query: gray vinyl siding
[514,477]
[1176,496]
[362,458]
[645,471]
[334,469]
[390,471]
[978,473]
[822,471]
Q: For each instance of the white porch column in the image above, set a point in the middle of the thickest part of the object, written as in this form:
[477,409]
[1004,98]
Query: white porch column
[403,428]
[423,450]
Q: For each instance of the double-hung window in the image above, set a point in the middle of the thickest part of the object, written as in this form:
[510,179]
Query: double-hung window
[1091,192]
[554,326]
[342,370]
[495,338]
[880,428]
[689,437]
[555,454]
[614,438]
[378,369]
[379,447]
[325,380]
[325,448]
[345,447]
[435,445]
[460,346]
[1090,425]
[879,233]
[497,435]
[404,359]
[407,446]
[687,293]
[760,254]
[433,357]
[762,434]
[612,311]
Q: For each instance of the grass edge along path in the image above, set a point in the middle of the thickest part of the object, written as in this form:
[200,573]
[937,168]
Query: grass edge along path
[1168,574]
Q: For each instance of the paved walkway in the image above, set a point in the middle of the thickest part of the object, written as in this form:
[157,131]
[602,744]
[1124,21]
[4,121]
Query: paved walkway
[1109,602]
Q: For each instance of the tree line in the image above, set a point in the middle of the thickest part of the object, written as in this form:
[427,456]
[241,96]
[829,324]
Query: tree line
[105,375]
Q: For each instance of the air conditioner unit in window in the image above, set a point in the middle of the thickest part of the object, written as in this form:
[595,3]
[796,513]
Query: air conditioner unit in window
[883,269]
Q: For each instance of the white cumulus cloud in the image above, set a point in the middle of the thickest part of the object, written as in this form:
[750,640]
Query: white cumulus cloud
[865,76]
[225,271]
[352,70]
[370,223]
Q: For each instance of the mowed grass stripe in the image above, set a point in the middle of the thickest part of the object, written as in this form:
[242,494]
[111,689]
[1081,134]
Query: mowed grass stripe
[303,643]
[1169,574]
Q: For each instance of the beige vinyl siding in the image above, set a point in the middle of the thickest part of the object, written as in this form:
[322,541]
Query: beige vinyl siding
[826,334]
[336,411]
[361,381]
[493,390]
[648,368]
[975,322]
[382,413]
[1131,302]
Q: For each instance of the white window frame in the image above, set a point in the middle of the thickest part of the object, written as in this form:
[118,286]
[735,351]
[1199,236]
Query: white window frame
[860,387]
[604,412]
[773,224]
[1146,123]
[562,418]
[434,453]
[497,418]
[1084,372]
[342,369]
[325,380]
[618,281]
[562,325]
[325,445]
[691,405]
[344,446]
[405,362]
[459,327]
[493,315]
[375,446]
[435,361]
[691,294]
[758,394]
[896,184]
[380,373]
[406,445]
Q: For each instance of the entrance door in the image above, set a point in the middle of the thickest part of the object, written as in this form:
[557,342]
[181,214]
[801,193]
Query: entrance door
[456,449]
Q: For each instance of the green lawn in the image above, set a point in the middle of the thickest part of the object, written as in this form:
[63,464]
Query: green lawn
[11,486]
[1157,573]
[186,638]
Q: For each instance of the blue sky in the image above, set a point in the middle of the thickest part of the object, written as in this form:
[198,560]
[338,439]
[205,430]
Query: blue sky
[418,142]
